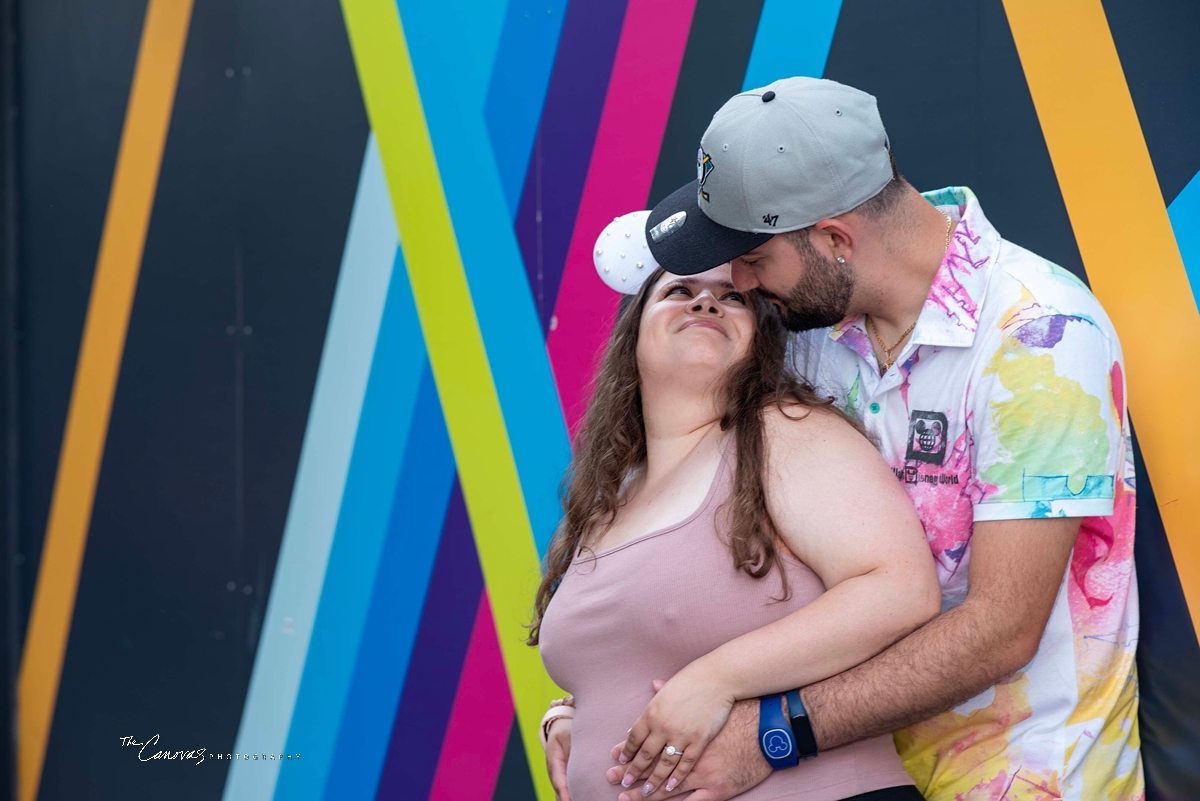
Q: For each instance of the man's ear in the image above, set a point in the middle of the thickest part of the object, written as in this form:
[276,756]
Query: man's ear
[833,237]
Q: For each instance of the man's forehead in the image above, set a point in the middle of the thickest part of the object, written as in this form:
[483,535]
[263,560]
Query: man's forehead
[761,250]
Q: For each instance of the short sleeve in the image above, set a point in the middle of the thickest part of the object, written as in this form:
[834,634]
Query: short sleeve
[1047,410]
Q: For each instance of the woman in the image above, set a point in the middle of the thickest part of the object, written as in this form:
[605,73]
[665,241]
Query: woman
[728,530]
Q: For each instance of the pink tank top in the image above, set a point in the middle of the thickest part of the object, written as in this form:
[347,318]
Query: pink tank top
[646,608]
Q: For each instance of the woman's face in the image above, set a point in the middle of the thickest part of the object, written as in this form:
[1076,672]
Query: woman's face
[694,323]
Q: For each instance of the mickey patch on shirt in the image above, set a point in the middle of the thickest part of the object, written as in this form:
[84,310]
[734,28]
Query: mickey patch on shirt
[927,437]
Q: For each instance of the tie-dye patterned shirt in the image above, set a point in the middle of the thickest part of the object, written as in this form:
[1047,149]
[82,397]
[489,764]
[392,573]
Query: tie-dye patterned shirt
[1008,403]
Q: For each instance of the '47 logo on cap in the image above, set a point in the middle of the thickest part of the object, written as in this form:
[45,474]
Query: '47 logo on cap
[704,165]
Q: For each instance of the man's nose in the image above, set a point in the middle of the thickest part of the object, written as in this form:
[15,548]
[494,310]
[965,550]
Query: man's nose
[742,276]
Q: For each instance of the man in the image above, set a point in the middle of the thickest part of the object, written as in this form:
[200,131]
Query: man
[993,381]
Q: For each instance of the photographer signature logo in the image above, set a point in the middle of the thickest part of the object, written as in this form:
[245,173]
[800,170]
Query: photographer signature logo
[148,752]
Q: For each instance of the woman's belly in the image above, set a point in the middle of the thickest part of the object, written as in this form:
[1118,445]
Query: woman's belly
[601,721]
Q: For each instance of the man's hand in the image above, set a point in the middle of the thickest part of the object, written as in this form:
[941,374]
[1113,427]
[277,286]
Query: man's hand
[558,749]
[729,766]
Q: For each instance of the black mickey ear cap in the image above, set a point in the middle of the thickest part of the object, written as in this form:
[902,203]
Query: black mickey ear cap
[694,244]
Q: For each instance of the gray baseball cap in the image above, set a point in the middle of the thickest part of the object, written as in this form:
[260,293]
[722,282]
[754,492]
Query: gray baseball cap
[775,159]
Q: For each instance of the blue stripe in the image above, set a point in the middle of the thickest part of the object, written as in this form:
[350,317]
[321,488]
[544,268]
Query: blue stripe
[414,531]
[1185,219]
[443,639]
[452,65]
[387,412]
[517,89]
[793,38]
[354,319]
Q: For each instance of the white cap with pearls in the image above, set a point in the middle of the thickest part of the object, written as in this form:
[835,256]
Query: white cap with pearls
[622,255]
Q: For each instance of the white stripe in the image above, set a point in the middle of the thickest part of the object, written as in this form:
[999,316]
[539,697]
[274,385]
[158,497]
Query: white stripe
[1032,510]
[362,286]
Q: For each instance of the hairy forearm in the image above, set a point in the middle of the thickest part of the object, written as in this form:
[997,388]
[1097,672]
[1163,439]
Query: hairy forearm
[946,662]
[843,627]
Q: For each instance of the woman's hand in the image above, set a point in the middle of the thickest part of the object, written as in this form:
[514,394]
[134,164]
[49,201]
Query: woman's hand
[685,714]
[558,750]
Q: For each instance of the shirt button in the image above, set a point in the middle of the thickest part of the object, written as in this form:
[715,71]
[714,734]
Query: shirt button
[874,408]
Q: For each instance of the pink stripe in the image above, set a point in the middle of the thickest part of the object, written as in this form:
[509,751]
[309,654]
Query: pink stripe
[640,90]
[480,720]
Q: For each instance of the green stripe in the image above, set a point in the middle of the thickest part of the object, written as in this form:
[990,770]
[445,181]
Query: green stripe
[456,351]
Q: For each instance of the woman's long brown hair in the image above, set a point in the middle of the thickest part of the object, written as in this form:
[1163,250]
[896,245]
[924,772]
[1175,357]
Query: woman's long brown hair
[612,442]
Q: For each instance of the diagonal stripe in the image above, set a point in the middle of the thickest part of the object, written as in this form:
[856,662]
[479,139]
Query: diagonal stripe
[792,39]
[151,98]
[480,720]
[354,321]
[443,638]
[1125,238]
[379,447]
[518,87]
[639,96]
[460,363]
[452,91]
[565,136]
[1185,222]
[418,515]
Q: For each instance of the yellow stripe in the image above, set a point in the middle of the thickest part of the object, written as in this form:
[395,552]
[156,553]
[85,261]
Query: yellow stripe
[130,200]
[457,355]
[1125,238]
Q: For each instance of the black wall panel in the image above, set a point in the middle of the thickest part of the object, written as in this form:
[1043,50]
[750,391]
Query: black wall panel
[253,203]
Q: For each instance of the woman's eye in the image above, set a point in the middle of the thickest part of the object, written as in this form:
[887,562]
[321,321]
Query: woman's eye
[735,296]
[675,289]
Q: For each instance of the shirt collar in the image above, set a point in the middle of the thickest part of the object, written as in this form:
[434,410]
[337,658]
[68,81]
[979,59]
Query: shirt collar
[950,315]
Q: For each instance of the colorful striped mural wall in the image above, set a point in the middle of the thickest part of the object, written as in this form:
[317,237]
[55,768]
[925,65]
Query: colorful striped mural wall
[373,222]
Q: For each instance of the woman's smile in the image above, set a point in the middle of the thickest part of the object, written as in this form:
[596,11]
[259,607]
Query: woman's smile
[704,324]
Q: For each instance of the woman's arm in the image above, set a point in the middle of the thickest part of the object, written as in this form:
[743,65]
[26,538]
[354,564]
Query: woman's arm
[838,507]
[841,511]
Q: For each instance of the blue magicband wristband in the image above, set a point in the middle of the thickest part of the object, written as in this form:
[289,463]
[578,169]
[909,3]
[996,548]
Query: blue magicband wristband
[775,738]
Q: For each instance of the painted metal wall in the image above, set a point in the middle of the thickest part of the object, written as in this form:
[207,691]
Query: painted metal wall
[307,314]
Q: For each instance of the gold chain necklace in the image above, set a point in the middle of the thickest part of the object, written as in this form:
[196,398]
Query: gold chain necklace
[887,352]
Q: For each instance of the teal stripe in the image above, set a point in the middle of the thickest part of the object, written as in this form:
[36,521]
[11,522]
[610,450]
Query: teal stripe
[387,412]
[520,76]
[793,38]
[1185,219]
[418,509]
[354,320]
[452,66]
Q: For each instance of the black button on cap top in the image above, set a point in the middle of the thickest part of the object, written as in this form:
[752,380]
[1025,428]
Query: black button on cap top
[768,96]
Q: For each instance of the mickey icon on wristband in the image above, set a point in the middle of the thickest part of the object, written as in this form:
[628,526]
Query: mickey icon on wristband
[777,743]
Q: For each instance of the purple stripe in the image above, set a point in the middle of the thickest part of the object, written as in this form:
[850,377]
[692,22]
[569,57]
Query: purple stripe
[455,588]
[563,148]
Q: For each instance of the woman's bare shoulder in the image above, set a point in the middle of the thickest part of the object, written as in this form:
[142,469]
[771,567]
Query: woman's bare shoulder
[796,422]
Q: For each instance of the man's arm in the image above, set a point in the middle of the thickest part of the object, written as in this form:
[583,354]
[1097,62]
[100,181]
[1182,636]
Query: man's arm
[1016,569]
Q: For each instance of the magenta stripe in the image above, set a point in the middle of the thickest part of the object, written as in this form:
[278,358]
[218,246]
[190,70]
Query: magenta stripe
[635,113]
[480,720]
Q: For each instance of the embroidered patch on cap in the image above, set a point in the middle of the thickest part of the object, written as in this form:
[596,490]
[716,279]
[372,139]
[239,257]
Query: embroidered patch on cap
[704,166]
[668,226]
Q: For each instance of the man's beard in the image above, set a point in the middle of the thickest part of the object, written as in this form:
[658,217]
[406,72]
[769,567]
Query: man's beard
[821,297]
